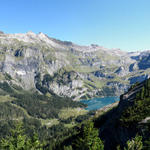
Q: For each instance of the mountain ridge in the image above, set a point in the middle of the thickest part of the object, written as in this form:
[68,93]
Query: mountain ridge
[80,72]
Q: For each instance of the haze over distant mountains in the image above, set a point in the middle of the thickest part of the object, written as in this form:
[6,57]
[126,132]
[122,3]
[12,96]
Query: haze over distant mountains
[36,61]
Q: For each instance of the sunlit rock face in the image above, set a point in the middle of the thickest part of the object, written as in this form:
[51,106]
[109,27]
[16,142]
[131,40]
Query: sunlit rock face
[75,71]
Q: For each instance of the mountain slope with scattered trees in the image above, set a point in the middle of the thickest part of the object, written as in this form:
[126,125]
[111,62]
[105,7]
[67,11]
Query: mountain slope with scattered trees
[125,127]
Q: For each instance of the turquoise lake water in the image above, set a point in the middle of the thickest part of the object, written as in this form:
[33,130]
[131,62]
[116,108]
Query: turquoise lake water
[97,103]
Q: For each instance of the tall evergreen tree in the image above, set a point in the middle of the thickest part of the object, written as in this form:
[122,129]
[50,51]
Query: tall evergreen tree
[89,140]
[19,141]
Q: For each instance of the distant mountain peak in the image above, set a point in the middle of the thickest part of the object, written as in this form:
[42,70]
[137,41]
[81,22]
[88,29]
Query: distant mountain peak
[31,33]
[42,35]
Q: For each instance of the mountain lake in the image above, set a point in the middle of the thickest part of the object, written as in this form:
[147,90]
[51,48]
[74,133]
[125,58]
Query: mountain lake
[97,103]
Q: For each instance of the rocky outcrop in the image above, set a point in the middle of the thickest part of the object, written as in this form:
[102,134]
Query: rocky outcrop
[122,71]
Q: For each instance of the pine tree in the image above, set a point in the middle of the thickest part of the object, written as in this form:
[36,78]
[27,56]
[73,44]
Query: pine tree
[89,139]
[134,144]
[19,141]
[142,93]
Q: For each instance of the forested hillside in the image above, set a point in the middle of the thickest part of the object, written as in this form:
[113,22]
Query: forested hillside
[47,117]
[52,122]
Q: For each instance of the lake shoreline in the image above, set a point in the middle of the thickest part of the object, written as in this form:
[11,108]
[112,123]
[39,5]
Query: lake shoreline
[100,103]
[107,107]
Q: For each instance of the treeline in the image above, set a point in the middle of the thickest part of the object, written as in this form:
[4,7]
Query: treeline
[36,105]
[41,106]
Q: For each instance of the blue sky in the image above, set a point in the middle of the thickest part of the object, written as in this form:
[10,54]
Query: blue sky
[121,24]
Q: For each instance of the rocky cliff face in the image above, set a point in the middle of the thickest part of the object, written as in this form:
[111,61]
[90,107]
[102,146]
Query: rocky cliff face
[36,61]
